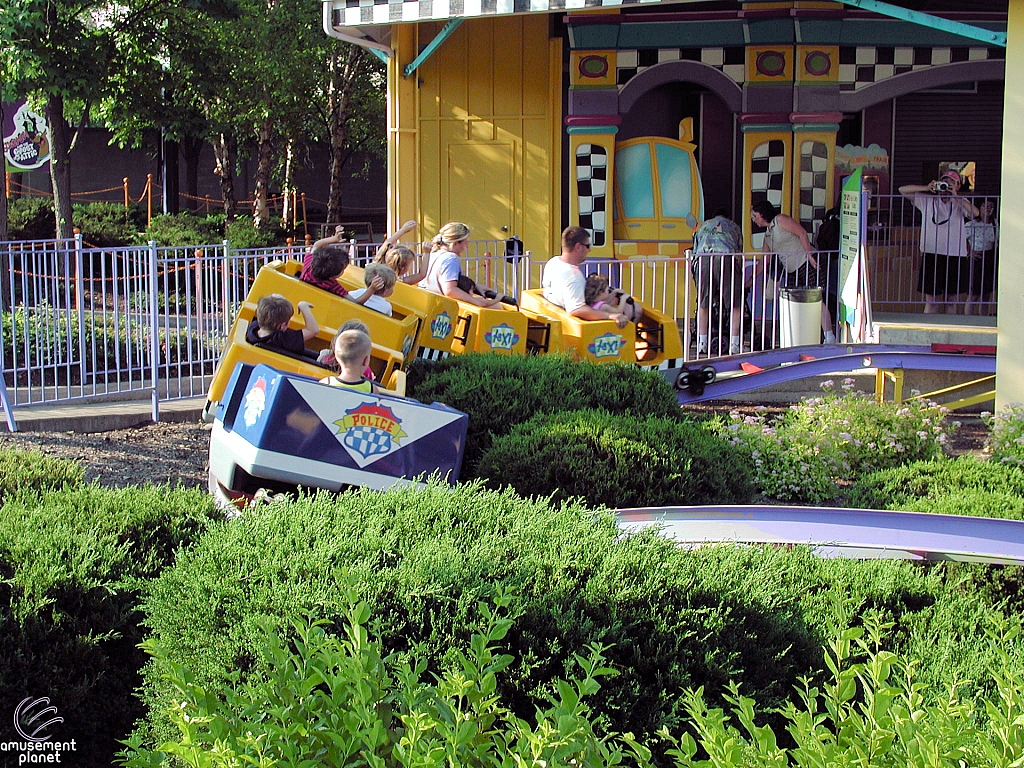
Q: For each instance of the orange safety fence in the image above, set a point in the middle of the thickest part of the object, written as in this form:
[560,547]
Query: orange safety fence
[276,203]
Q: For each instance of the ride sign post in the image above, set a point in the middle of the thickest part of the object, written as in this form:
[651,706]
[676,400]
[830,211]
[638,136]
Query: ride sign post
[852,227]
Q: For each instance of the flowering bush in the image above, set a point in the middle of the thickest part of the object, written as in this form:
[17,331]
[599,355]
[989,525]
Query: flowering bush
[825,441]
[1005,441]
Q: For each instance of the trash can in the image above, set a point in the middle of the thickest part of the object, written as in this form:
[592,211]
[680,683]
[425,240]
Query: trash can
[799,316]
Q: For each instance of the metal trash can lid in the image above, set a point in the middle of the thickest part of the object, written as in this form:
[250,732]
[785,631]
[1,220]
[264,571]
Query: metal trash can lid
[800,295]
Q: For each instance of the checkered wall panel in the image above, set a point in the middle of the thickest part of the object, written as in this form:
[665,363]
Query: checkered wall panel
[592,191]
[864,65]
[767,173]
[730,61]
[813,184]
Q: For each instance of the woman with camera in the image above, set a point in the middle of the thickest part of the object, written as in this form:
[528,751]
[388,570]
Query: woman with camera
[945,272]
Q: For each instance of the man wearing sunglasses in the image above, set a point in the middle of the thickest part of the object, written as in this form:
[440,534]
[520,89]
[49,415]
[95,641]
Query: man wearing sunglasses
[564,282]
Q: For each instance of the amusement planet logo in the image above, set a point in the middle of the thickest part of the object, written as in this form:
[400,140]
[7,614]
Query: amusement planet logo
[32,721]
[502,337]
[441,326]
[370,429]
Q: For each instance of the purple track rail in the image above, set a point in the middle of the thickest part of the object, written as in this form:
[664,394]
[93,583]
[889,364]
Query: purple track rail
[782,365]
[837,532]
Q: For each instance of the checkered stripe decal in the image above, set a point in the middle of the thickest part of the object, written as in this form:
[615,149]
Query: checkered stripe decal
[357,12]
[864,65]
[592,190]
[729,61]
[813,184]
[426,353]
[767,171]
[368,441]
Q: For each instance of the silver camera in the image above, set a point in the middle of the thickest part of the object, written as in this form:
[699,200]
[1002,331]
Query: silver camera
[943,187]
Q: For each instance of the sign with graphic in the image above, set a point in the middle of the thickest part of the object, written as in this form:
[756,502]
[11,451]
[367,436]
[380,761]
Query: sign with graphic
[606,345]
[501,337]
[369,427]
[872,158]
[441,326]
[255,402]
[370,430]
[852,223]
[26,139]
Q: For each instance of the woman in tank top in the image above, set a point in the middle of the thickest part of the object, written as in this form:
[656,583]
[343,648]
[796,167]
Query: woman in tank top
[787,240]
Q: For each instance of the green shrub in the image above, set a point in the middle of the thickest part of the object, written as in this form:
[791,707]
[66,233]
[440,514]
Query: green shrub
[184,229]
[824,442]
[108,224]
[338,701]
[1005,442]
[72,562]
[620,461]
[872,711]
[31,218]
[242,234]
[422,560]
[500,391]
[31,470]
[958,486]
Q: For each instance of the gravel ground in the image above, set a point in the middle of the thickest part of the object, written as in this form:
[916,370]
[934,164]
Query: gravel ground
[156,453]
[178,453]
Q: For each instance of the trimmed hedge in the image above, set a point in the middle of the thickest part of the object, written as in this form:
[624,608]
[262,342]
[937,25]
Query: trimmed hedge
[71,565]
[618,461]
[32,470]
[962,486]
[424,558]
[499,391]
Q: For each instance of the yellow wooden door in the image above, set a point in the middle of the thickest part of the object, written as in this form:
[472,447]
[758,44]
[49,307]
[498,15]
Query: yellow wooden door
[480,188]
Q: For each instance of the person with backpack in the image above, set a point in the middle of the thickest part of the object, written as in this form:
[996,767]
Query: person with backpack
[718,272]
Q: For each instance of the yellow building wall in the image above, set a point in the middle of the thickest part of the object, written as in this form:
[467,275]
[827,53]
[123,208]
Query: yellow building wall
[475,131]
[1010,350]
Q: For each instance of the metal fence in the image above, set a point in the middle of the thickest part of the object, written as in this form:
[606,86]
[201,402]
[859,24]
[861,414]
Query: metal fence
[962,284]
[109,323]
[90,323]
[742,284]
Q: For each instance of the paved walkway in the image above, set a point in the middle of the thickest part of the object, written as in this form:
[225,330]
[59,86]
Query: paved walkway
[102,417]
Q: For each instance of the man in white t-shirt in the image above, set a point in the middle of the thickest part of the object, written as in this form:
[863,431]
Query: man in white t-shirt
[563,281]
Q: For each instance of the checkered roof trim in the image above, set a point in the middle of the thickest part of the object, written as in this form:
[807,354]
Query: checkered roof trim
[729,61]
[865,65]
[351,13]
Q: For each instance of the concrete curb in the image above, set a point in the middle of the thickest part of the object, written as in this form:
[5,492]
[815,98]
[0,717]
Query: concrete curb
[104,417]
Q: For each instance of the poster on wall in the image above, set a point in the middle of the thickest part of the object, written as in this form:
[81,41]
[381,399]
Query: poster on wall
[852,221]
[26,138]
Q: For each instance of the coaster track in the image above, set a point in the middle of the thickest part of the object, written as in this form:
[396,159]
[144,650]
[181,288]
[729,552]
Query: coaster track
[702,380]
[839,532]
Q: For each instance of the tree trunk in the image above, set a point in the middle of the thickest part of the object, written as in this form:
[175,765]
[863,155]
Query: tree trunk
[287,213]
[190,149]
[3,193]
[346,66]
[264,163]
[60,165]
[224,152]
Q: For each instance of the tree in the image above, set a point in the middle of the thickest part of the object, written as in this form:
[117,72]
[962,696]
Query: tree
[3,185]
[63,55]
[355,112]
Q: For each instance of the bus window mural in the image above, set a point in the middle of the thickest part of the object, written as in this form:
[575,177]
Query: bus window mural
[658,190]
